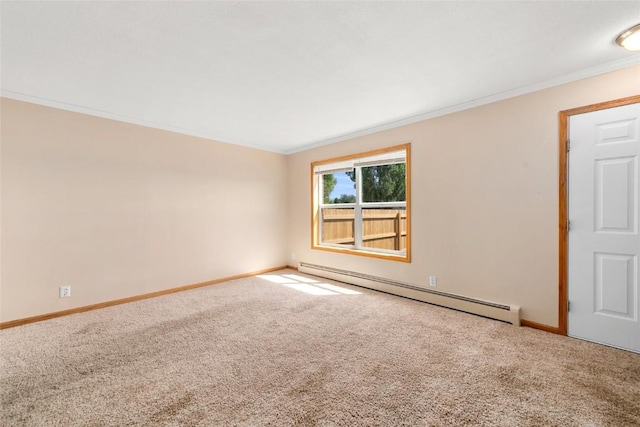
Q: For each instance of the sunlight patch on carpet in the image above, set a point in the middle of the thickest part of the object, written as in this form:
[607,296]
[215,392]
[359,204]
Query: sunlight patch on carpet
[306,285]
[309,289]
[338,289]
[299,278]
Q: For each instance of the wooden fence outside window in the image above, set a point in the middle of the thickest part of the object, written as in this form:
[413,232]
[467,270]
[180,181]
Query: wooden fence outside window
[381,228]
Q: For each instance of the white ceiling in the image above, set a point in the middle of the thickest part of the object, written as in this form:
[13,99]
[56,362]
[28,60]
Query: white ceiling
[286,76]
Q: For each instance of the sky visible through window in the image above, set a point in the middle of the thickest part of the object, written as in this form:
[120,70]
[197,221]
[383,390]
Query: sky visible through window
[344,185]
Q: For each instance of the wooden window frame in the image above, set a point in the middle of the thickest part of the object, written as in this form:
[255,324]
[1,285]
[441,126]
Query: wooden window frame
[316,206]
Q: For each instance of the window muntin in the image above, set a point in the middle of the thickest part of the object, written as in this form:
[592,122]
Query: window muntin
[369,213]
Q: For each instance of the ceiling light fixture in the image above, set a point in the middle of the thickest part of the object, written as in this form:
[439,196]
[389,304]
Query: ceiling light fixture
[630,39]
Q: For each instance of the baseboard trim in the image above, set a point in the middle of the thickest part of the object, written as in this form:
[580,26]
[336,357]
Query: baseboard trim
[53,315]
[541,326]
[47,316]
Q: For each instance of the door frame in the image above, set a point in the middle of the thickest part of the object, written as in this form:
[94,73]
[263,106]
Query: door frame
[563,160]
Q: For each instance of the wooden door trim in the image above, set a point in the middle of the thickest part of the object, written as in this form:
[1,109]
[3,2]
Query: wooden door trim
[563,159]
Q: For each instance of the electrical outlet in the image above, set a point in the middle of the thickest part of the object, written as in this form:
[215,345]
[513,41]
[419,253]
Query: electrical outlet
[65,291]
[433,281]
[293,255]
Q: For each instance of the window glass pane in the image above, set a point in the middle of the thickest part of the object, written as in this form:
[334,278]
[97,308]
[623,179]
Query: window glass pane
[380,207]
[337,226]
[339,187]
[384,228]
[384,183]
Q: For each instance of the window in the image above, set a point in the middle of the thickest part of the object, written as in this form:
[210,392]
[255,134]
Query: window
[361,204]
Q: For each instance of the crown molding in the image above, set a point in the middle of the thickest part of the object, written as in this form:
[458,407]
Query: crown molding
[568,78]
[121,118]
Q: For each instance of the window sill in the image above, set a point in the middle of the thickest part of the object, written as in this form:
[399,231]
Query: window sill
[360,252]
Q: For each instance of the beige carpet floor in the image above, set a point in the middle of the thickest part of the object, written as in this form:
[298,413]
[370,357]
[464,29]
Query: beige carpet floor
[279,350]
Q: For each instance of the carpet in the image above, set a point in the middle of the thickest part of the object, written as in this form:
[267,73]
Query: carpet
[288,349]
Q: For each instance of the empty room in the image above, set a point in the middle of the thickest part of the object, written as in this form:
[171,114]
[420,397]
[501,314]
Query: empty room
[319,213]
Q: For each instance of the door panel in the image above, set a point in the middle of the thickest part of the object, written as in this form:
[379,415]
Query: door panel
[603,241]
[615,285]
[615,200]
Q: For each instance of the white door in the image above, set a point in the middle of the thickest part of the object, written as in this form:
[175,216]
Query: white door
[603,241]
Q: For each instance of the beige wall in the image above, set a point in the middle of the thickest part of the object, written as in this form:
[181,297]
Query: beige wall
[117,210]
[484,195]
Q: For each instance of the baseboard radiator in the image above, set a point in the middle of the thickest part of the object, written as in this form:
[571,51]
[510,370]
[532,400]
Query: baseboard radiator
[492,310]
